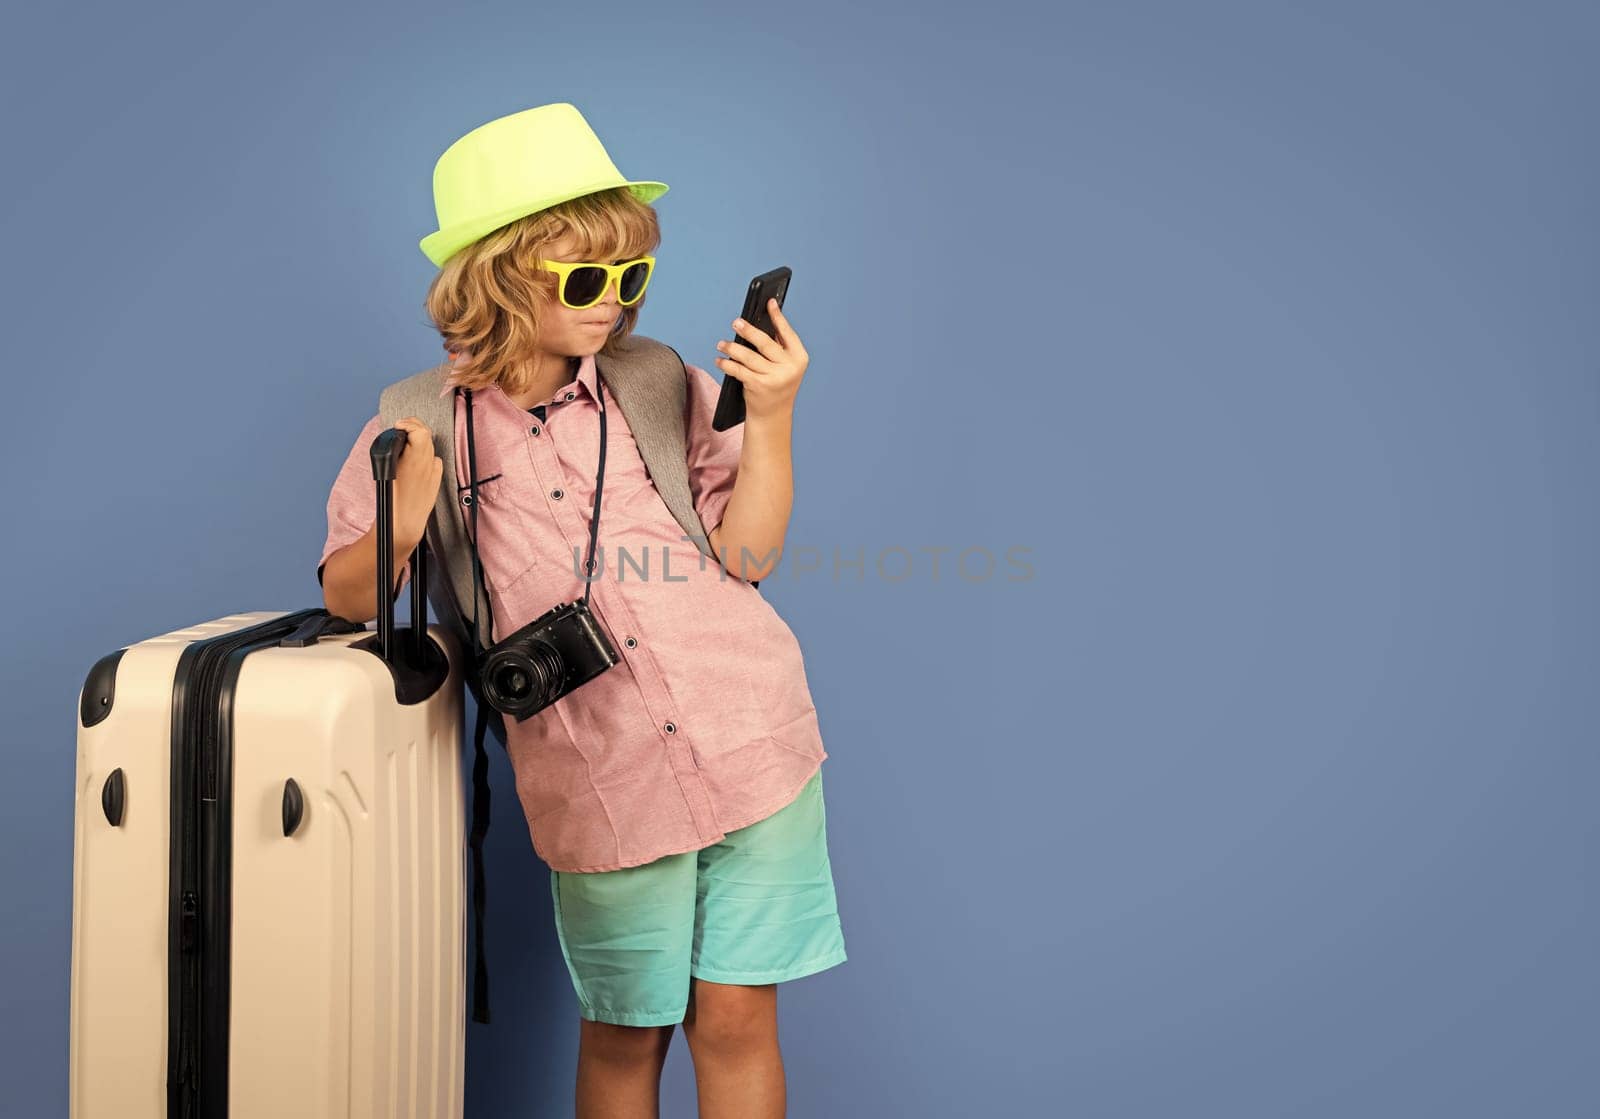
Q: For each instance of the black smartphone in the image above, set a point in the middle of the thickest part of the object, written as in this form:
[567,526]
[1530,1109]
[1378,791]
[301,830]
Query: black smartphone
[768,285]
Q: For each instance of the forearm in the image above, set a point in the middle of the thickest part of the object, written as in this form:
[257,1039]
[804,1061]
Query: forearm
[750,538]
[350,577]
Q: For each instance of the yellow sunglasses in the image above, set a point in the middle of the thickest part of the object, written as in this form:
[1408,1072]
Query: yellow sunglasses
[583,283]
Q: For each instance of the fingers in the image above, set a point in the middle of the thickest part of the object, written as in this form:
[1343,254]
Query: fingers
[786,334]
[418,434]
[419,460]
[763,343]
[780,325]
[747,359]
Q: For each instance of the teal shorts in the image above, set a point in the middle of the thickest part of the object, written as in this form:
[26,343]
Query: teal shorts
[758,907]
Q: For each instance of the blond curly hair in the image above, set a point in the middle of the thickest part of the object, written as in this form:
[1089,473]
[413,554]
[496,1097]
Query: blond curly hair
[485,302]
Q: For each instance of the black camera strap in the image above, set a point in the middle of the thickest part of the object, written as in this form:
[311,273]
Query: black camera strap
[480,757]
[599,480]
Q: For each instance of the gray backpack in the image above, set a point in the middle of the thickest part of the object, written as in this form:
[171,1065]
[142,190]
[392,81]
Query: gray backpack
[649,381]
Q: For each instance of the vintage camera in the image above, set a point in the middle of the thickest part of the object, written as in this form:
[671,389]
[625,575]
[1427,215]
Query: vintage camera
[544,660]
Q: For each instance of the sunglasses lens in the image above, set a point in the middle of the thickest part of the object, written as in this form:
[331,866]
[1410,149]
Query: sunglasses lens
[633,281]
[585,285]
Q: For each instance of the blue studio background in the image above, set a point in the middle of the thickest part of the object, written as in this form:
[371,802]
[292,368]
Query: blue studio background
[1269,330]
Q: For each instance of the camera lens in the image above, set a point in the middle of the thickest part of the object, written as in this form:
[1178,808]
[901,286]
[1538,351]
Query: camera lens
[523,677]
[513,683]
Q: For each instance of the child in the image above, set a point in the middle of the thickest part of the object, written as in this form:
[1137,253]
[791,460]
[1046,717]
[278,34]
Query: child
[677,795]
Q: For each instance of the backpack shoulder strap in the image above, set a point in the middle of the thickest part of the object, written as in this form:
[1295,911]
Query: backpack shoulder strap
[651,383]
[423,395]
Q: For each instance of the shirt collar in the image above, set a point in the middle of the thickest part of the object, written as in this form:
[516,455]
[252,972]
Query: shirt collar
[588,375]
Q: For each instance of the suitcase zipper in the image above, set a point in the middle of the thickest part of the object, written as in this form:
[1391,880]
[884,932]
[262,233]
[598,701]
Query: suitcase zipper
[201,864]
[191,921]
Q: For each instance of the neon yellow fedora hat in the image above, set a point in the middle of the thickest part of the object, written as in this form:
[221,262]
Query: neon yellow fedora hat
[515,166]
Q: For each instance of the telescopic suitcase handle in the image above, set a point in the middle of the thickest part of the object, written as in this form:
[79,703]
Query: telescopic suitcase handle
[386,451]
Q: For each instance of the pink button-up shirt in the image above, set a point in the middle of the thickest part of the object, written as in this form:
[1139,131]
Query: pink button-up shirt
[706,724]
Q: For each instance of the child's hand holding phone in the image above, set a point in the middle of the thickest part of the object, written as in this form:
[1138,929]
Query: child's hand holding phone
[764,364]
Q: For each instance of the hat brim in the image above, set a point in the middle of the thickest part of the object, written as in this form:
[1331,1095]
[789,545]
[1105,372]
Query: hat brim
[440,245]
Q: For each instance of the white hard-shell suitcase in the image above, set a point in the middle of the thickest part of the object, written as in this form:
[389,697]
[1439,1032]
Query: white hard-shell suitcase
[268,870]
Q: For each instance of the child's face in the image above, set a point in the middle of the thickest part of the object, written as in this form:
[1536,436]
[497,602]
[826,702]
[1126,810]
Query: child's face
[574,333]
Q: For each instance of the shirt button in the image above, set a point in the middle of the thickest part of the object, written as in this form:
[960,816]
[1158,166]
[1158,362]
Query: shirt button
[570,395]
[671,728]
[466,498]
[536,429]
[557,494]
[630,642]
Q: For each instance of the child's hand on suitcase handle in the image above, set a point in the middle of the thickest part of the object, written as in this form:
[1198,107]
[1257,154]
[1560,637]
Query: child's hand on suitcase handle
[416,484]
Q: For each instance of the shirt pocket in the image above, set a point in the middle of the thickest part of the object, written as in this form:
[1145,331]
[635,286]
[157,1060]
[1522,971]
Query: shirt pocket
[503,545]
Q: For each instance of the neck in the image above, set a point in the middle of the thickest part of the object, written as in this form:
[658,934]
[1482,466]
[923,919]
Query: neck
[550,373]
